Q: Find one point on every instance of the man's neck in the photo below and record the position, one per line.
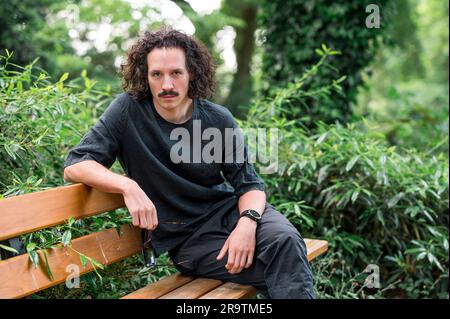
(177, 115)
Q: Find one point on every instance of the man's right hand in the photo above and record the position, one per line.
(141, 208)
(91, 173)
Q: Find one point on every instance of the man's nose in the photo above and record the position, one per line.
(167, 84)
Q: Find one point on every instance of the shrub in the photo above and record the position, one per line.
(292, 32)
(374, 204)
(40, 121)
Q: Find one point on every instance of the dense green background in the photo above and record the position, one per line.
(362, 117)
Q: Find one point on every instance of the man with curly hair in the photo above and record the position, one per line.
(211, 216)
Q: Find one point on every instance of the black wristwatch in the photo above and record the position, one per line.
(252, 214)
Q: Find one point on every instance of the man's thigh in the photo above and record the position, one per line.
(198, 256)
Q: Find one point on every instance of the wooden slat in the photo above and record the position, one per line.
(219, 289)
(160, 288)
(315, 247)
(231, 290)
(19, 278)
(193, 289)
(30, 212)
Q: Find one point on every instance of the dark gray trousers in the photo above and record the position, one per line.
(280, 267)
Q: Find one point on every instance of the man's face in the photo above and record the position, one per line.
(168, 77)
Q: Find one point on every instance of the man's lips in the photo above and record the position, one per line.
(168, 96)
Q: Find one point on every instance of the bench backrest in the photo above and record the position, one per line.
(31, 212)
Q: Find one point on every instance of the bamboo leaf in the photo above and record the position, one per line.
(34, 257)
(66, 238)
(47, 266)
(10, 249)
(351, 163)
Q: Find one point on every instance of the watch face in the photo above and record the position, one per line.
(255, 214)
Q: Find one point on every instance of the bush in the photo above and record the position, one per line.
(292, 32)
(376, 204)
(40, 121)
(415, 116)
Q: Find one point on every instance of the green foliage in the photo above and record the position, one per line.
(376, 204)
(40, 121)
(25, 31)
(298, 92)
(406, 91)
(415, 117)
(292, 32)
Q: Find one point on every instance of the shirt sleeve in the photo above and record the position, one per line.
(236, 167)
(103, 141)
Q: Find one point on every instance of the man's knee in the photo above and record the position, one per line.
(290, 238)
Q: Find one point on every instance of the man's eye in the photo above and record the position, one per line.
(155, 74)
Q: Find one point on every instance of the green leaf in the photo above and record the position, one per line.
(297, 210)
(34, 257)
(96, 264)
(394, 200)
(10, 152)
(383, 159)
(64, 77)
(321, 139)
(351, 163)
(355, 196)
(83, 260)
(31, 247)
(47, 266)
(9, 249)
(313, 163)
(414, 251)
(323, 173)
(71, 221)
(66, 238)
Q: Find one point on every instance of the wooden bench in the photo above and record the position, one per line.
(31, 212)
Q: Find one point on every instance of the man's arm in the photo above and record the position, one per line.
(254, 199)
(141, 208)
(242, 241)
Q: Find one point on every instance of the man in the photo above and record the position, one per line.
(210, 228)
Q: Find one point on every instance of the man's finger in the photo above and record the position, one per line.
(233, 261)
(143, 220)
(231, 258)
(155, 217)
(149, 218)
(243, 262)
(223, 250)
(135, 219)
(249, 259)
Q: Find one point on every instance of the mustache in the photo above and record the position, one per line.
(164, 93)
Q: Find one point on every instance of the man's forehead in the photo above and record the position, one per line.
(166, 58)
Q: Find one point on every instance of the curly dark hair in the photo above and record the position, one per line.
(199, 63)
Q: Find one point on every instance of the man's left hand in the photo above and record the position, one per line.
(240, 246)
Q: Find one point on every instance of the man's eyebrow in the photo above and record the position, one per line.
(157, 70)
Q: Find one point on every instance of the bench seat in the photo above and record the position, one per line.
(35, 211)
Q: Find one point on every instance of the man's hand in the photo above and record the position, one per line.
(240, 246)
(141, 208)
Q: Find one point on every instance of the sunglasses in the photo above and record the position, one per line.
(147, 248)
